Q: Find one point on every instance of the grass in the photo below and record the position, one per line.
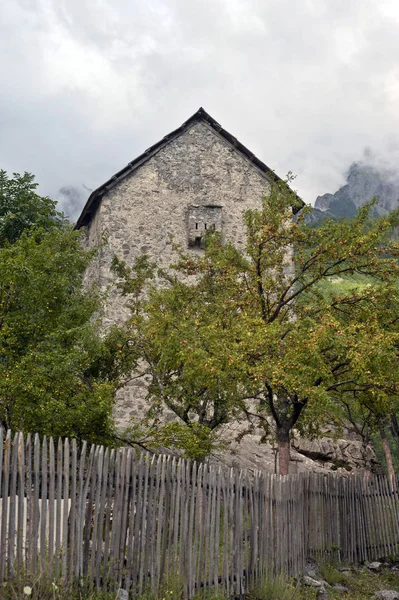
(275, 587)
(331, 574)
(361, 585)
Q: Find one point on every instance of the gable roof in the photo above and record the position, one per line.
(201, 115)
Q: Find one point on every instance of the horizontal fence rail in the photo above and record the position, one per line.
(113, 518)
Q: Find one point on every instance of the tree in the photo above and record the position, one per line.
(21, 208)
(368, 408)
(57, 373)
(165, 347)
(260, 321)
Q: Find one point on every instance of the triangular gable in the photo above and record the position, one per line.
(201, 115)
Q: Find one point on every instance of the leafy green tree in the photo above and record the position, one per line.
(57, 373)
(367, 409)
(165, 347)
(257, 333)
(21, 207)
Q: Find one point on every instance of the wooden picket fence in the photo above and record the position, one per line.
(118, 520)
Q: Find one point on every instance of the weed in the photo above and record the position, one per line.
(331, 574)
(275, 587)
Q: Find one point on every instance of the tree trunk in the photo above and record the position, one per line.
(388, 455)
(283, 439)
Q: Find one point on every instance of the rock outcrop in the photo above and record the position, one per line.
(362, 184)
(325, 455)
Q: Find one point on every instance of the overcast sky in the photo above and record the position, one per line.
(307, 85)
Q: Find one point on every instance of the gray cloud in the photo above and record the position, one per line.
(306, 85)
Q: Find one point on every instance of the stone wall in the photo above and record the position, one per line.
(195, 181)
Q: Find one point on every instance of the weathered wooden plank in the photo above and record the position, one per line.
(161, 522)
(173, 484)
(109, 513)
(362, 544)
(12, 507)
(197, 492)
(202, 512)
(253, 529)
(131, 514)
(156, 515)
(143, 529)
(191, 550)
(29, 502)
(343, 525)
(35, 498)
(394, 503)
(4, 511)
(225, 543)
(137, 523)
(98, 532)
(167, 517)
(73, 511)
(185, 474)
(291, 554)
(65, 511)
(51, 502)
(382, 521)
(239, 507)
(87, 501)
(369, 534)
(181, 473)
(43, 515)
(116, 524)
(218, 523)
(21, 497)
(96, 543)
(80, 504)
(176, 517)
(212, 525)
(232, 530)
(124, 514)
(58, 514)
(149, 520)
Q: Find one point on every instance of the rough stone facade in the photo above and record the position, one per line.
(196, 182)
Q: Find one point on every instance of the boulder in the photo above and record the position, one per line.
(310, 582)
(374, 566)
(386, 595)
(341, 589)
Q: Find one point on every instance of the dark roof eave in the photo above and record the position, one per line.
(201, 115)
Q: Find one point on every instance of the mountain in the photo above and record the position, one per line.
(70, 200)
(363, 182)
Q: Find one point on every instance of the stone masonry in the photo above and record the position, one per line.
(196, 181)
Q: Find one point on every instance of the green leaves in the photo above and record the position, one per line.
(21, 208)
(56, 374)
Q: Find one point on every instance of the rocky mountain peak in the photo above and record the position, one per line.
(363, 182)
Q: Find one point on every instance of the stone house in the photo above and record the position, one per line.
(195, 178)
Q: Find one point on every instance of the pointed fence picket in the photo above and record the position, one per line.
(116, 519)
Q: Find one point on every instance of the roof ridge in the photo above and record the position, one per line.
(94, 199)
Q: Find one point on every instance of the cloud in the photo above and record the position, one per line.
(87, 86)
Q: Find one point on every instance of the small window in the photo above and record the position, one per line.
(200, 220)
